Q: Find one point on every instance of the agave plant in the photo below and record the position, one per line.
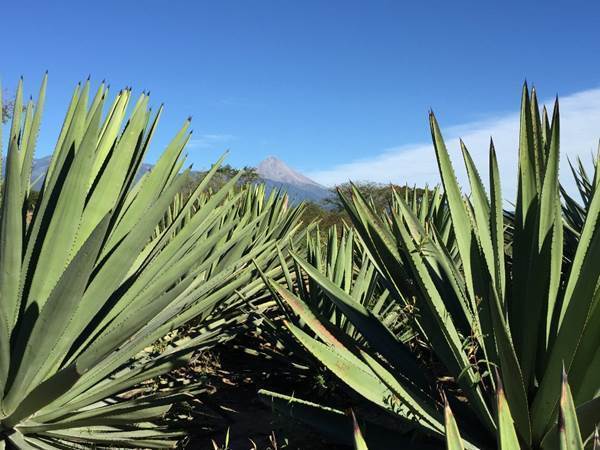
(272, 220)
(512, 302)
(344, 262)
(567, 429)
(575, 211)
(432, 211)
(342, 259)
(90, 281)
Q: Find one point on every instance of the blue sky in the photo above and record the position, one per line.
(320, 84)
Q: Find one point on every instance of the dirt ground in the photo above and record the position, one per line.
(232, 405)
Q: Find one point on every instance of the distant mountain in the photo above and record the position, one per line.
(40, 167)
(275, 169)
(272, 171)
(278, 175)
(38, 170)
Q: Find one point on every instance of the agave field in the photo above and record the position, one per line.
(448, 319)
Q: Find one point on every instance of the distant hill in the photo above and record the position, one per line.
(272, 171)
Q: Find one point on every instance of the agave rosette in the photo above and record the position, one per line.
(97, 274)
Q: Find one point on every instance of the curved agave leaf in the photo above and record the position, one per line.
(453, 439)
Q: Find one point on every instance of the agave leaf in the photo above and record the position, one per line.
(15, 128)
(56, 253)
(418, 402)
(383, 250)
(526, 284)
(113, 270)
(570, 437)
(527, 189)
(586, 365)
(109, 134)
(461, 223)
(475, 247)
(539, 151)
(11, 233)
(331, 421)
(367, 378)
(90, 385)
(348, 367)
(337, 425)
(103, 438)
(588, 417)
(453, 439)
(497, 224)
(556, 258)
(46, 331)
(57, 155)
(481, 209)
(544, 262)
(359, 441)
(120, 414)
(573, 321)
(436, 259)
(369, 326)
(1, 106)
(306, 315)
(440, 329)
(152, 186)
(511, 375)
(507, 436)
(29, 148)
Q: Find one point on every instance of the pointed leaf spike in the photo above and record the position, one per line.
(453, 439)
(359, 441)
(507, 436)
(570, 436)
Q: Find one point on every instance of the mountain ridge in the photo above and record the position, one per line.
(272, 171)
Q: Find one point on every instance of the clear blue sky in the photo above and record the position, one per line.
(316, 83)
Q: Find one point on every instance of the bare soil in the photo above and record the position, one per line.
(231, 404)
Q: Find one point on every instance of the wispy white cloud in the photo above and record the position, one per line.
(210, 140)
(416, 164)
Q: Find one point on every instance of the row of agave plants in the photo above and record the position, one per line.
(496, 305)
(451, 316)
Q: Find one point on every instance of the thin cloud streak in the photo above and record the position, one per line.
(416, 164)
(210, 140)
